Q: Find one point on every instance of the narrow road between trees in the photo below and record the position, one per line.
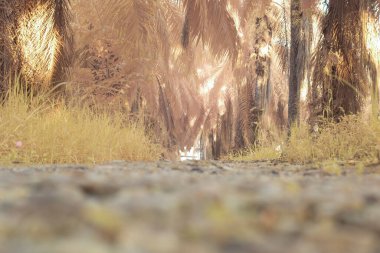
(190, 207)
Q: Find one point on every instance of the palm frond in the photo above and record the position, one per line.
(210, 22)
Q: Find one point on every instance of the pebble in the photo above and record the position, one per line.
(189, 207)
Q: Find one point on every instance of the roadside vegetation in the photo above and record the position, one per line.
(43, 130)
(353, 139)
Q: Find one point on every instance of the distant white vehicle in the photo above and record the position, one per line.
(195, 153)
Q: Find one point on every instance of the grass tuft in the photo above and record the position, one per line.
(258, 153)
(353, 138)
(268, 147)
(39, 130)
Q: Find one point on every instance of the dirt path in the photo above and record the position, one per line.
(203, 207)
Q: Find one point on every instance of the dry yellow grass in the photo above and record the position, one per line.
(36, 130)
(352, 139)
(255, 154)
(269, 147)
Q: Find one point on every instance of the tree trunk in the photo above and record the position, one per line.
(295, 65)
(343, 65)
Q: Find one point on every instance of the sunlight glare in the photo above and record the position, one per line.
(235, 16)
(205, 89)
(373, 39)
(264, 51)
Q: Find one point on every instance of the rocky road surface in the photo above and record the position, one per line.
(192, 207)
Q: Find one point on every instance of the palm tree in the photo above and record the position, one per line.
(343, 65)
(130, 57)
(213, 24)
(340, 89)
(229, 35)
(35, 40)
(296, 65)
(145, 56)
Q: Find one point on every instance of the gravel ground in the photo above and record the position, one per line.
(192, 207)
